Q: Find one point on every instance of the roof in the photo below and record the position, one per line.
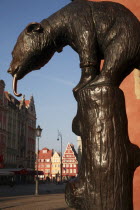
(45, 148)
(73, 149)
(27, 102)
(57, 153)
(12, 99)
(46, 155)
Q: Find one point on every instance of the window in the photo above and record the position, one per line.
(41, 166)
(47, 170)
(71, 171)
(44, 151)
(56, 160)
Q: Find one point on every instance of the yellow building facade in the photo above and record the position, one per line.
(55, 159)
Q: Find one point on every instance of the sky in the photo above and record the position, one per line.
(52, 85)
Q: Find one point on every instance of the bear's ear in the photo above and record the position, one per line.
(34, 27)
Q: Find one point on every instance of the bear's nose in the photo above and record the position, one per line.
(9, 70)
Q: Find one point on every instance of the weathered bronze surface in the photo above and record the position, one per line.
(96, 31)
(109, 159)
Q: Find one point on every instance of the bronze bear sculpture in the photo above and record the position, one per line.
(95, 30)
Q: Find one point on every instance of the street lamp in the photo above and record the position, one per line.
(60, 135)
(38, 135)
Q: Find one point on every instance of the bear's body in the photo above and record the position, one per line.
(96, 31)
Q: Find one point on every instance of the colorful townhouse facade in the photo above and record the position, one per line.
(55, 169)
(50, 163)
(70, 162)
(44, 162)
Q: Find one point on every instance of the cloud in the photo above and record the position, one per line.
(56, 79)
(62, 81)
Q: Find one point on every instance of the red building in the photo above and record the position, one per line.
(70, 162)
(44, 162)
(3, 123)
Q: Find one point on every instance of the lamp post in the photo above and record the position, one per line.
(38, 135)
(60, 135)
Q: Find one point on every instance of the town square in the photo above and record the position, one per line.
(70, 104)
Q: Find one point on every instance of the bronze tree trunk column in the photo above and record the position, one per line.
(109, 159)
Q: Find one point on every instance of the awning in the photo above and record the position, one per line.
(20, 171)
(6, 173)
(13, 171)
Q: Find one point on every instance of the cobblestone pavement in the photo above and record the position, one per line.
(29, 189)
(21, 197)
(29, 202)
